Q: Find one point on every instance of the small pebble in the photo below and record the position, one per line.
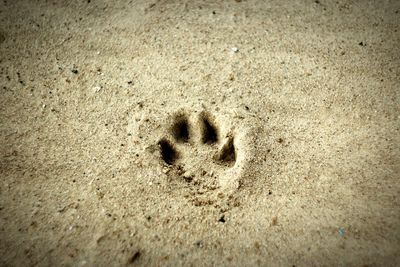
(342, 231)
(98, 88)
(199, 243)
(188, 176)
(235, 49)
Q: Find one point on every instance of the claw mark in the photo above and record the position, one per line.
(168, 153)
(180, 129)
(209, 131)
(227, 155)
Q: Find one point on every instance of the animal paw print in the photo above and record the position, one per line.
(181, 132)
(195, 149)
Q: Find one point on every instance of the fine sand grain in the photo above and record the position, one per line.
(199, 133)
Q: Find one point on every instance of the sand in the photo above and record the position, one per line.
(199, 133)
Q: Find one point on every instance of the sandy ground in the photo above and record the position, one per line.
(199, 133)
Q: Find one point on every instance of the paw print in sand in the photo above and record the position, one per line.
(182, 133)
(195, 150)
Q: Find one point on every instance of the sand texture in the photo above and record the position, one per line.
(199, 133)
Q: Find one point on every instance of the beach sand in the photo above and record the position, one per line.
(199, 133)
